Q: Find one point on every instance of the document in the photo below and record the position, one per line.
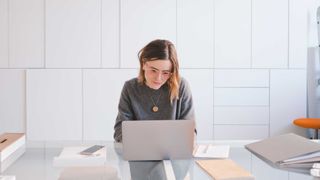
(286, 151)
(212, 151)
(224, 169)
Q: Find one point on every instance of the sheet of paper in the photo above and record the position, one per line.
(212, 151)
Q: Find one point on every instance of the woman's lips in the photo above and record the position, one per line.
(157, 83)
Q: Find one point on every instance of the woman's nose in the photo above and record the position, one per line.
(159, 76)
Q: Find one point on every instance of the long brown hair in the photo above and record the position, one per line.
(160, 49)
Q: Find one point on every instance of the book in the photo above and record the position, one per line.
(224, 169)
(212, 151)
(286, 151)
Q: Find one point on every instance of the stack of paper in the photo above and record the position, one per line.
(212, 151)
(70, 156)
(315, 170)
(287, 151)
(7, 178)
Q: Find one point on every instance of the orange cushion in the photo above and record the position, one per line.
(313, 123)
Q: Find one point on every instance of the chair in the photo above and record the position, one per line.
(312, 123)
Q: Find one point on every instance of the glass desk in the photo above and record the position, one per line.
(37, 164)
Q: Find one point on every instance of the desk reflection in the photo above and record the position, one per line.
(155, 170)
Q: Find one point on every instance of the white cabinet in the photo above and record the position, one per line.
(201, 85)
(110, 33)
(4, 34)
(239, 115)
(101, 95)
(240, 132)
(195, 30)
(54, 104)
(12, 100)
(232, 34)
(26, 33)
(73, 33)
(141, 22)
(270, 34)
(287, 100)
(241, 96)
(298, 33)
(241, 78)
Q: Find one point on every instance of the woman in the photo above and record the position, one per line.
(157, 93)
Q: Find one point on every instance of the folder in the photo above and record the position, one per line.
(224, 169)
(288, 151)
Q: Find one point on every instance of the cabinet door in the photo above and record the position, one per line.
(141, 22)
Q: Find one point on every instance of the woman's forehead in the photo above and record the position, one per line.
(163, 64)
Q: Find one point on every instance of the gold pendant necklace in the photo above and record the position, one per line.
(155, 108)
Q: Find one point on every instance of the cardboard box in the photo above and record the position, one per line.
(12, 146)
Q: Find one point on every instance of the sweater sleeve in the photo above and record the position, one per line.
(125, 112)
(186, 102)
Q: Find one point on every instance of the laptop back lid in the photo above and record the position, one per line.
(157, 139)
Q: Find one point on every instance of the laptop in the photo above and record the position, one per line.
(157, 139)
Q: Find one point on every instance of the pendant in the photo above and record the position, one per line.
(155, 108)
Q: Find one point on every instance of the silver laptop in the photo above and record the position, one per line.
(157, 139)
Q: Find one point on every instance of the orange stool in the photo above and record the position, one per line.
(313, 123)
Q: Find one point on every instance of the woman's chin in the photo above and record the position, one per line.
(155, 87)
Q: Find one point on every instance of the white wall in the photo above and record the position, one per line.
(63, 63)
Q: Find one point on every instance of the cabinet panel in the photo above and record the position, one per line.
(54, 104)
(241, 78)
(4, 34)
(298, 33)
(141, 22)
(287, 100)
(110, 34)
(270, 33)
(12, 101)
(232, 34)
(202, 98)
(101, 97)
(240, 132)
(195, 33)
(26, 33)
(241, 96)
(241, 115)
(73, 33)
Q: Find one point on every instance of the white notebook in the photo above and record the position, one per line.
(212, 151)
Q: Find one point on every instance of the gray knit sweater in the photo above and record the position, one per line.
(136, 104)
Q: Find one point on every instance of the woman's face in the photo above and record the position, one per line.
(157, 72)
